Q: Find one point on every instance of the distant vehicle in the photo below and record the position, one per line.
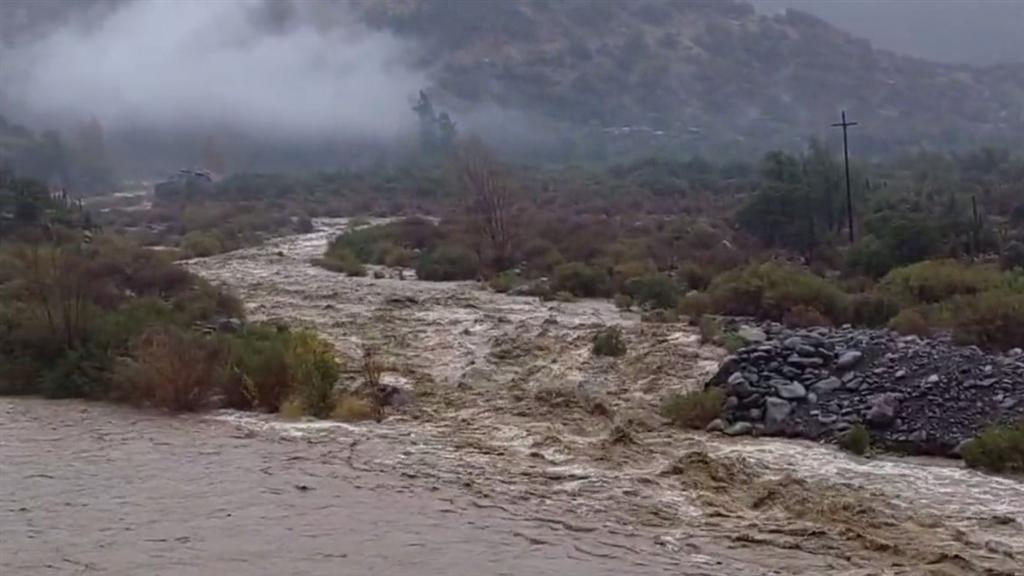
(186, 183)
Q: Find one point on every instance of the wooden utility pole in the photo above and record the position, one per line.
(846, 156)
(975, 227)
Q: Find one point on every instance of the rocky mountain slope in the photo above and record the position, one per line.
(702, 73)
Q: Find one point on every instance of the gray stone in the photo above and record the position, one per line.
(883, 410)
(849, 359)
(743, 389)
(826, 386)
(752, 401)
(775, 413)
(797, 360)
(933, 379)
(755, 414)
(1008, 403)
(739, 429)
(791, 391)
(900, 374)
(805, 350)
(827, 418)
(812, 398)
(918, 436)
(730, 403)
(751, 334)
(716, 425)
(958, 451)
(793, 342)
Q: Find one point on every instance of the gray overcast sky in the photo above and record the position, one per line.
(971, 31)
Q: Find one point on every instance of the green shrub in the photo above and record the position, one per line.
(694, 410)
(609, 342)
(993, 320)
(314, 372)
(580, 280)
(732, 342)
(342, 261)
(202, 244)
(770, 290)
(868, 257)
(997, 448)
(505, 281)
(857, 440)
(871, 309)
(448, 263)
(260, 369)
(910, 322)
(801, 316)
(934, 281)
(695, 305)
(76, 374)
(695, 276)
(391, 244)
(653, 291)
(710, 329)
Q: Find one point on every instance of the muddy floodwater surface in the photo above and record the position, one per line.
(518, 453)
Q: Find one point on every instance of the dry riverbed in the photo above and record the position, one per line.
(519, 453)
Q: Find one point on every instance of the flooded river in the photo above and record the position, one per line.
(519, 453)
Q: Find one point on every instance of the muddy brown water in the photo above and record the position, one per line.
(519, 453)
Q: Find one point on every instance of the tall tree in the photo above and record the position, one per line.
(489, 198)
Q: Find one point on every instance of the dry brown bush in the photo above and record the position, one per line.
(171, 368)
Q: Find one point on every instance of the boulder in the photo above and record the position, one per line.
(730, 403)
(743, 389)
(751, 334)
(791, 391)
(826, 386)
(883, 410)
(776, 410)
(716, 425)
(739, 429)
(849, 359)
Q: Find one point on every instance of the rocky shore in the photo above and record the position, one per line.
(913, 394)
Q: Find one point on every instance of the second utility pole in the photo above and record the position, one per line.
(846, 156)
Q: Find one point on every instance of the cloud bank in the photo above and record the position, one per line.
(271, 69)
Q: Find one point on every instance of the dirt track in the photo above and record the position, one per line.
(520, 453)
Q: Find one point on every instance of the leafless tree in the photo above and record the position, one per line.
(489, 197)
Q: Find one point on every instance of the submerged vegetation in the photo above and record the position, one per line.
(695, 409)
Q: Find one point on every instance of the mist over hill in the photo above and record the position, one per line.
(288, 83)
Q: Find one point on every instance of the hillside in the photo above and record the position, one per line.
(709, 74)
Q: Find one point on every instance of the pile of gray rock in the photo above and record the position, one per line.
(914, 395)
